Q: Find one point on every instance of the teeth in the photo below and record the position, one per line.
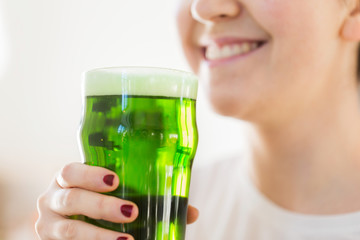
(254, 46)
(213, 52)
(226, 52)
(246, 47)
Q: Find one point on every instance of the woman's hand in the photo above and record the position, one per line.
(77, 190)
(192, 214)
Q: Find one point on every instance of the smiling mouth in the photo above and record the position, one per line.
(215, 52)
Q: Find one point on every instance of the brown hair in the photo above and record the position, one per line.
(358, 64)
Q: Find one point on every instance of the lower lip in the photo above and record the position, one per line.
(218, 62)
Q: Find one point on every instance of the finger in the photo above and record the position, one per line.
(66, 229)
(192, 214)
(74, 201)
(92, 178)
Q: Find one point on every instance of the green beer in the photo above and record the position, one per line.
(140, 123)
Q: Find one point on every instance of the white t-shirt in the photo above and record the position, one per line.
(232, 208)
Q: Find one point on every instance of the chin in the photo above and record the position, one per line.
(234, 107)
(227, 106)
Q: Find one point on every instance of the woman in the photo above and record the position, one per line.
(288, 68)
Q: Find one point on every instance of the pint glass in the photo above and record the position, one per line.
(140, 123)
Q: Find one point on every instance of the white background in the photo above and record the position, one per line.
(45, 45)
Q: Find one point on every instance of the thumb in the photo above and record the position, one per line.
(192, 214)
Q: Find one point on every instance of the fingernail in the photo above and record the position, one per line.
(122, 238)
(126, 210)
(109, 179)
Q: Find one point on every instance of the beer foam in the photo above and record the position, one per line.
(140, 81)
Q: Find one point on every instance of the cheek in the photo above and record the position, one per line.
(300, 20)
(302, 36)
(186, 28)
(282, 17)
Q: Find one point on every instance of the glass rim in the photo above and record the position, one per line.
(152, 68)
(140, 80)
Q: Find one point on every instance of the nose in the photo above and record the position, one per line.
(206, 11)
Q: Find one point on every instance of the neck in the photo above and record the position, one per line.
(311, 163)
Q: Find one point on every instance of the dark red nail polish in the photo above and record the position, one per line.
(109, 180)
(126, 210)
(122, 238)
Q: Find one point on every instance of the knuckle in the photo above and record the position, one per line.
(67, 229)
(107, 208)
(39, 228)
(41, 201)
(101, 206)
(66, 172)
(100, 203)
(67, 198)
